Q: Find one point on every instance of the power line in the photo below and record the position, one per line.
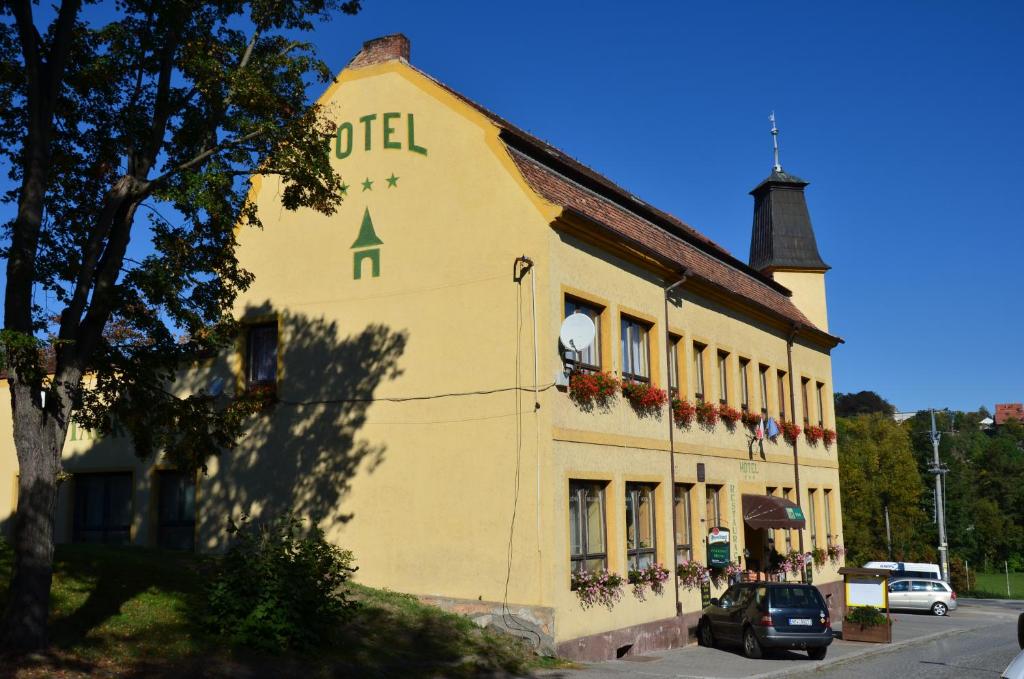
(405, 399)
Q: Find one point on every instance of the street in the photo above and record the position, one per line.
(977, 640)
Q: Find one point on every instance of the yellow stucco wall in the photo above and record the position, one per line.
(808, 293)
(423, 491)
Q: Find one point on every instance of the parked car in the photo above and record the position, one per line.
(908, 569)
(760, 615)
(1015, 670)
(922, 595)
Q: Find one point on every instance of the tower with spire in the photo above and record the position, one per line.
(782, 243)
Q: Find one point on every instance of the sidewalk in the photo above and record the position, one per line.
(695, 662)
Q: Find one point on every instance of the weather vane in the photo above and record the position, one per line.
(775, 141)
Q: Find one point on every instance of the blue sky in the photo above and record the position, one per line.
(906, 117)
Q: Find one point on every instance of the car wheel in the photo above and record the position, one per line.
(751, 646)
(939, 608)
(817, 653)
(1020, 630)
(705, 636)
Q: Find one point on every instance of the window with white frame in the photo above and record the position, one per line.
(588, 548)
(698, 370)
(588, 359)
(641, 549)
(684, 527)
(636, 364)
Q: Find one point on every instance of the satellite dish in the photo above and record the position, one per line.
(577, 332)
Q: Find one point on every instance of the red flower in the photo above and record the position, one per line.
(645, 399)
(707, 414)
(592, 389)
(790, 431)
(814, 434)
(829, 436)
(683, 412)
(729, 415)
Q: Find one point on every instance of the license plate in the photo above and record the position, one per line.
(800, 621)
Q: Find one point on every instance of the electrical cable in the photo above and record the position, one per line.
(405, 399)
(509, 618)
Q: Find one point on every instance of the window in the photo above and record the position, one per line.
(723, 377)
(788, 494)
(698, 370)
(821, 404)
(918, 586)
(673, 366)
(588, 550)
(900, 586)
(261, 355)
(805, 386)
(589, 358)
(763, 370)
(641, 550)
(812, 522)
(828, 517)
(102, 508)
(745, 384)
(713, 506)
(635, 354)
(684, 529)
(782, 394)
(176, 510)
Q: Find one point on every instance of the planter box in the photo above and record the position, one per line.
(877, 634)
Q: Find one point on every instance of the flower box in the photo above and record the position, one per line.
(829, 437)
(729, 415)
(876, 634)
(790, 431)
(589, 390)
(707, 414)
(750, 420)
(647, 400)
(683, 413)
(813, 434)
(599, 587)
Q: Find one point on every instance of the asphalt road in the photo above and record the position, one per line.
(977, 640)
(982, 653)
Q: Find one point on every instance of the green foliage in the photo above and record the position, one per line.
(862, 403)
(280, 587)
(868, 616)
(877, 467)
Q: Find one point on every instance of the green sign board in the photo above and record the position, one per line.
(705, 594)
(795, 513)
(718, 548)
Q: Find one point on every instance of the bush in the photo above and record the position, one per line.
(279, 587)
(868, 616)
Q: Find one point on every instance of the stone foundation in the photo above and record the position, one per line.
(636, 640)
(535, 624)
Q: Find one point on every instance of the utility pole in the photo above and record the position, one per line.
(888, 530)
(940, 513)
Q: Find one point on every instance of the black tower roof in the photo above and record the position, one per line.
(782, 235)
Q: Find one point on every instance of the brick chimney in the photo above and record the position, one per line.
(379, 50)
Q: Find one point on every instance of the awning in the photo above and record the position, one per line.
(768, 511)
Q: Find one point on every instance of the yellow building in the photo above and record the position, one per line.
(418, 411)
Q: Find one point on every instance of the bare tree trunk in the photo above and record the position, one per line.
(38, 438)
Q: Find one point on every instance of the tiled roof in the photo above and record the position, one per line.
(561, 190)
(565, 181)
(1009, 411)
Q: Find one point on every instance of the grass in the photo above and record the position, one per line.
(993, 586)
(137, 612)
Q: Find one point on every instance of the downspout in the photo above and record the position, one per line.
(794, 329)
(672, 440)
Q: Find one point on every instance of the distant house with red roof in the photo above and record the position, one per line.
(1009, 411)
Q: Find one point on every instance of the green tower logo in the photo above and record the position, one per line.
(366, 246)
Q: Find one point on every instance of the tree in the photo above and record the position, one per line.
(862, 403)
(877, 468)
(162, 113)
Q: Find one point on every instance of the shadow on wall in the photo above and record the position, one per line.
(302, 452)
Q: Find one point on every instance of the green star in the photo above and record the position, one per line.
(392, 181)
(368, 184)
(344, 189)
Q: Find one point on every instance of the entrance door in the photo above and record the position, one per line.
(754, 544)
(176, 510)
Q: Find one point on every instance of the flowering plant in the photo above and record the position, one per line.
(719, 576)
(707, 414)
(835, 553)
(794, 562)
(750, 420)
(647, 400)
(790, 431)
(598, 587)
(729, 415)
(819, 555)
(260, 395)
(654, 576)
(592, 389)
(691, 574)
(813, 434)
(829, 436)
(683, 412)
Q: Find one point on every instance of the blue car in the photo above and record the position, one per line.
(761, 615)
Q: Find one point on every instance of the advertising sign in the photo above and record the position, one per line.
(718, 547)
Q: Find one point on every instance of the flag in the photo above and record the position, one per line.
(759, 432)
(773, 429)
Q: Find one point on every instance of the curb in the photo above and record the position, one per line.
(867, 653)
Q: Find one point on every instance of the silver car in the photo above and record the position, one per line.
(922, 595)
